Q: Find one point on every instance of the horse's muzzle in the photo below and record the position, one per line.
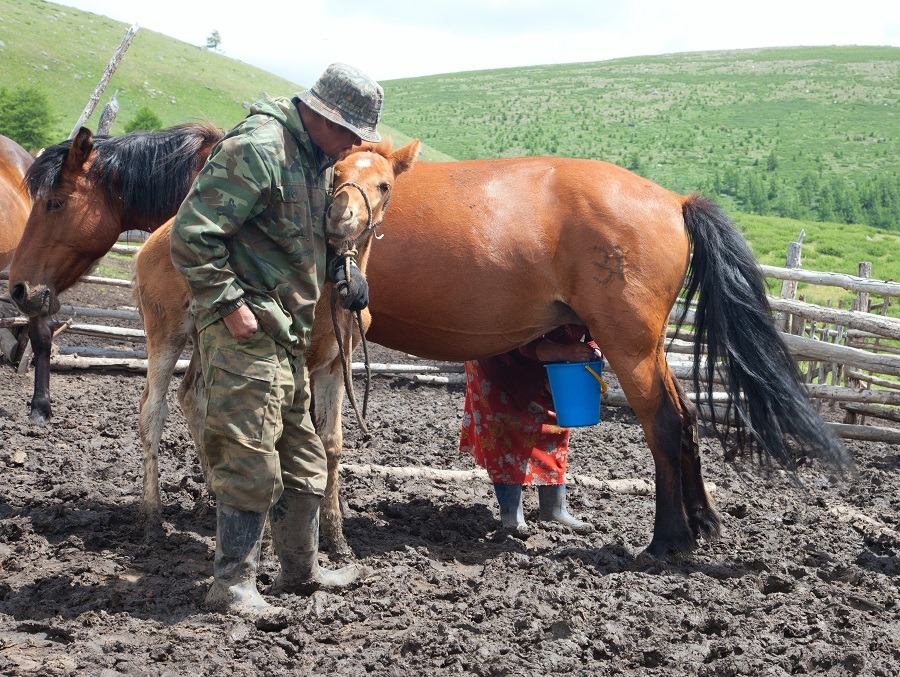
(34, 301)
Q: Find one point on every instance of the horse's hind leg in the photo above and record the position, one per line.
(652, 392)
(192, 397)
(163, 353)
(701, 514)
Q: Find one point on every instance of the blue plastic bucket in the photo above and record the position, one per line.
(576, 387)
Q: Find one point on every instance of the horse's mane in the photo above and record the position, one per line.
(151, 171)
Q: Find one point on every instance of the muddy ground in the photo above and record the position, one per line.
(804, 580)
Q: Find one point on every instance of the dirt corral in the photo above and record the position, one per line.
(804, 580)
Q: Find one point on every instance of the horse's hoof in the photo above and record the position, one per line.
(339, 551)
(650, 555)
(706, 524)
(664, 549)
(38, 418)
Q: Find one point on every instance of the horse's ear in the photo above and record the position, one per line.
(403, 158)
(80, 151)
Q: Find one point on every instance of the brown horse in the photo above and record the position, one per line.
(14, 201)
(87, 192)
(480, 257)
(362, 188)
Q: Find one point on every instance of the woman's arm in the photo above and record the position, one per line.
(547, 351)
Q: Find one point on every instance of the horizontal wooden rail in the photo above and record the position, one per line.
(830, 352)
(108, 281)
(886, 413)
(850, 282)
(125, 249)
(879, 325)
(83, 311)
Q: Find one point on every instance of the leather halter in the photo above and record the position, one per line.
(351, 243)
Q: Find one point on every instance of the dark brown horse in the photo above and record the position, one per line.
(86, 193)
(480, 257)
(14, 201)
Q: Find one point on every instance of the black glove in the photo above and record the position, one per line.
(353, 290)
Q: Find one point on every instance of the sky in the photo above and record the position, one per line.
(390, 39)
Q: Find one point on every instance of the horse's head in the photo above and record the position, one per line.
(53, 252)
(363, 180)
(87, 191)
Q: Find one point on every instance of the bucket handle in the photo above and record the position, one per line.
(599, 380)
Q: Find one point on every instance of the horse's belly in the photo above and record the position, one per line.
(456, 321)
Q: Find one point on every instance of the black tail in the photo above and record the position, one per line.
(768, 401)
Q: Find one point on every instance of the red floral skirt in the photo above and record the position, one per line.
(514, 446)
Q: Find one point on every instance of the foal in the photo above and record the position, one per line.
(362, 188)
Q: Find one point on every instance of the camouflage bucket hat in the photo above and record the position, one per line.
(348, 97)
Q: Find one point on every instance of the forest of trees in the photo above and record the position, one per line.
(873, 199)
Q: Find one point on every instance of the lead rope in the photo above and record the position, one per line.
(346, 366)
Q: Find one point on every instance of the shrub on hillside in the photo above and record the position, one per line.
(144, 119)
(25, 117)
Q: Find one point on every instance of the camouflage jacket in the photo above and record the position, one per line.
(253, 225)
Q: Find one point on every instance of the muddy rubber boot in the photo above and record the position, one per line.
(552, 505)
(295, 535)
(509, 498)
(238, 540)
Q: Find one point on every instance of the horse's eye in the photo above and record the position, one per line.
(54, 205)
(384, 187)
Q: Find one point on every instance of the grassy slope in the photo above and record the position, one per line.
(64, 52)
(827, 247)
(832, 109)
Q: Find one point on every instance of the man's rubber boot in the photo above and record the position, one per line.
(295, 535)
(509, 498)
(238, 540)
(552, 506)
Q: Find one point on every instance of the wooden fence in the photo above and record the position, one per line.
(849, 357)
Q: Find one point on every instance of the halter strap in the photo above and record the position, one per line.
(370, 226)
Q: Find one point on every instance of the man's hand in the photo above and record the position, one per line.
(241, 323)
(352, 287)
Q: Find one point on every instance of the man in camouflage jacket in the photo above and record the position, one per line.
(250, 240)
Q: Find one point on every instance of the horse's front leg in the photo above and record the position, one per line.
(328, 391)
(41, 336)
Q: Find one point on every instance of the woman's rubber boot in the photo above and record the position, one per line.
(552, 505)
(295, 535)
(238, 540)
(509, 498)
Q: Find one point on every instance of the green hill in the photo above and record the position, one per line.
(63, 52)
(806, 132)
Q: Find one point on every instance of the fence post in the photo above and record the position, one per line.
(861, 304)
(104, 80)
(789, 287)
(108, 116)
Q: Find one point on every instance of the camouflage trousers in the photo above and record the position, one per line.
(258, 434)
